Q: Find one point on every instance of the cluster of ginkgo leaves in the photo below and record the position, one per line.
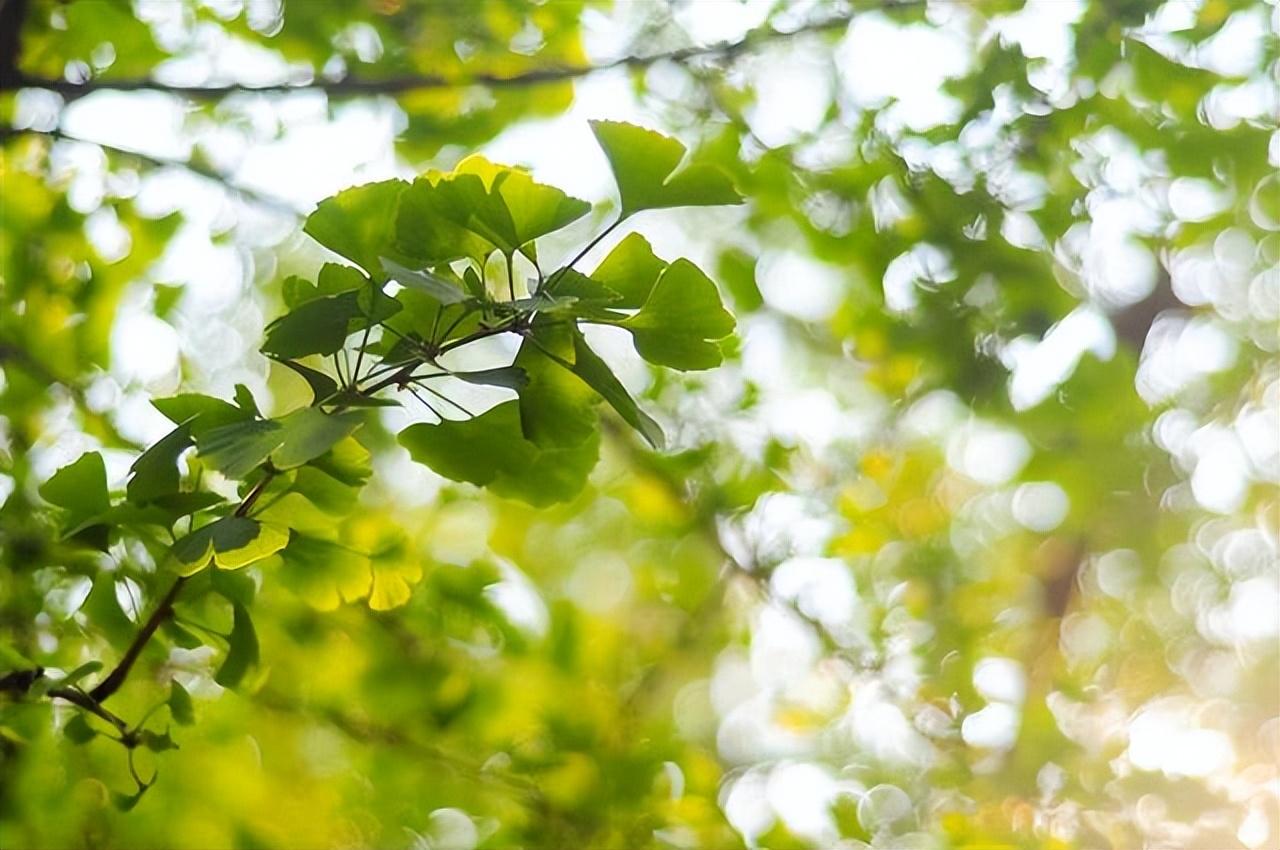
(436, 265)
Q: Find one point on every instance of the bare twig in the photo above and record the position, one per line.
(116, 677)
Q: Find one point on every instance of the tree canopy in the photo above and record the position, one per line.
(502, 423)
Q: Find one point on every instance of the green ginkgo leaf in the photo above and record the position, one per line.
(236, 450)
(436, 224)
(200, 413)
(588, 366)
(80, 488)
(644, 167)
(322, 386)
(359, 223)
(230, 543)
(491, 451)
(78, 730)
(556, 407)
(324, 573)
(155, 472)
(242, 650)
(310, 432)
(630, 270)
(435, 286)
(681, 321)
(322, 325)
(525, 209)
(180, 707)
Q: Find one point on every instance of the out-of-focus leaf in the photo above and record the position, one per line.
(80, 488)
(242, 651)
(325, 573)
(86, 669)
(78, 730)
(180, 707)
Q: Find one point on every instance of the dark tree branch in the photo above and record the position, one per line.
(401, 84)
(12, 15)
(164, 610)
(86, 701)
(116, 677)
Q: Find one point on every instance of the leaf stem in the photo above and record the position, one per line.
(556, 275)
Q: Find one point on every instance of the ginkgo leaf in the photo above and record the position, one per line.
(244, 550)
(556, 407)
(325, 573)
(155, 472)
(237, 449)
(302, 515)
(78, 730)
(643, 163)
(490, 451)
(359, 223)
(584, 290)
(322, 386)
(180, 707)
(682, 319)
(309, 433)
(322, 325)
(242, 650)
(588, 366)
(434, 223)
(318, 326)
(532, 209)
(231, 543)
(630, 270)
(392, 582)
(348, 462)
(509, 377)
(200, 413)
(80, 488)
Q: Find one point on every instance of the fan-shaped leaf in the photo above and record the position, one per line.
(643, 163)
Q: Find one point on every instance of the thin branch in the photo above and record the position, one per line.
(404, 83)
(116, 677)
(12, 15)
(79, 698)
(204, 172)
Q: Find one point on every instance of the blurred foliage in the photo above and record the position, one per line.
(968, 541)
